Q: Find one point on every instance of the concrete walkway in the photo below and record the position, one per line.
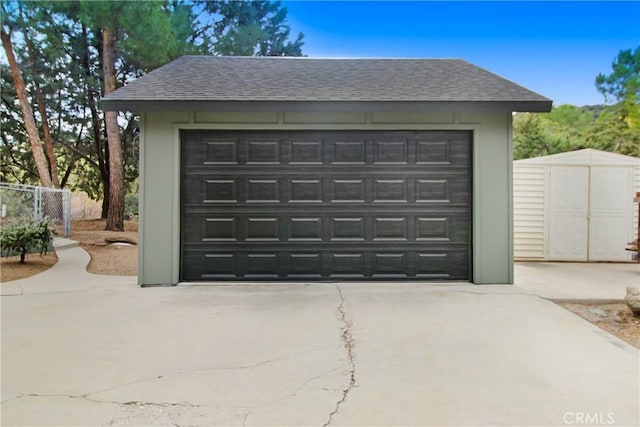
(565, 281)
(81, 349)
(67, 275)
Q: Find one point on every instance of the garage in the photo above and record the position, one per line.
(267, 169)
(314, 205)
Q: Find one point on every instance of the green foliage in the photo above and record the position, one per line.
(22, 235)
(248, 28)
(148, 33)
(535, 136)
(624, 82)
(611, 132)
(131, 205)
(614, 128)
(571, 117)
(17, 203)
(568, 128)
(67, 44)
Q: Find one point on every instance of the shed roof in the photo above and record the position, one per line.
(587, 156)
(197, 82)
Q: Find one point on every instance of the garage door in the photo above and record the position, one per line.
(274, 205)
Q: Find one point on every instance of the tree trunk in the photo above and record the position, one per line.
(104, 209)
(115, 217)
(27, 113)
(99, 147)
(48, 141)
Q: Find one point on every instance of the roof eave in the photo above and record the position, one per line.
(530, 106)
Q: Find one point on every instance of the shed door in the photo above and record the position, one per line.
(325, 205)
(568, 213)
(610, 218)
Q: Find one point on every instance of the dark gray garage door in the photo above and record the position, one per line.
(325, 205)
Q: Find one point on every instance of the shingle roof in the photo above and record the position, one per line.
(210, 78)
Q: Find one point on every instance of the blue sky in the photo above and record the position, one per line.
(553, 48)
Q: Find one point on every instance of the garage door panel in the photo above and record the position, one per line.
(305, 152)
(385, 263)
(390, 190)
(442, 228)
(442, 190)
(391, 229)
(262, 229)
(304, 190)
(347, 152)
(212, 151)
(391, 152)
(335, 264)
(262, 190)
(338, 189)
(443, 265)
(342, 226)
(347, 190)
(307, 264)
(443, 149)
(262, 152)
(217, 152)
(307, 229)
(320, 205)
(223, 229)
(329, 148)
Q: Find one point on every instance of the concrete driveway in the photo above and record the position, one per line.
(90, 353)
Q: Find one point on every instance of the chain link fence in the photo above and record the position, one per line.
(19, 200)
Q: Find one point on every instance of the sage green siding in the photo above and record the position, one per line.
(159, 260)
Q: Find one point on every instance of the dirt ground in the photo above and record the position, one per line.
(108, 258)
(614, 318)
(11, 269)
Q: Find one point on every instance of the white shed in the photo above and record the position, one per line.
(575, 206)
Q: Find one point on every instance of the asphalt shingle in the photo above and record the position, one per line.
(211, 78)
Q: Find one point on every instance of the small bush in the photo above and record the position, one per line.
(23, 234)
(131, 205)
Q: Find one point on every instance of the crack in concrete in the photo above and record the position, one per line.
(348, 344)
(70, 291)
(245, 417)
(491, 293)
(87, 398)
(192, 371)
(300, 387)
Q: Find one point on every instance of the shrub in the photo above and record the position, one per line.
(24, 234)
(131, 205)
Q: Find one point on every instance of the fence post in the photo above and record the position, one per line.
(37, 203)
(67, 213)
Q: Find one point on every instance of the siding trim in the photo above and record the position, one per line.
(141, 198)
(510, 194)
